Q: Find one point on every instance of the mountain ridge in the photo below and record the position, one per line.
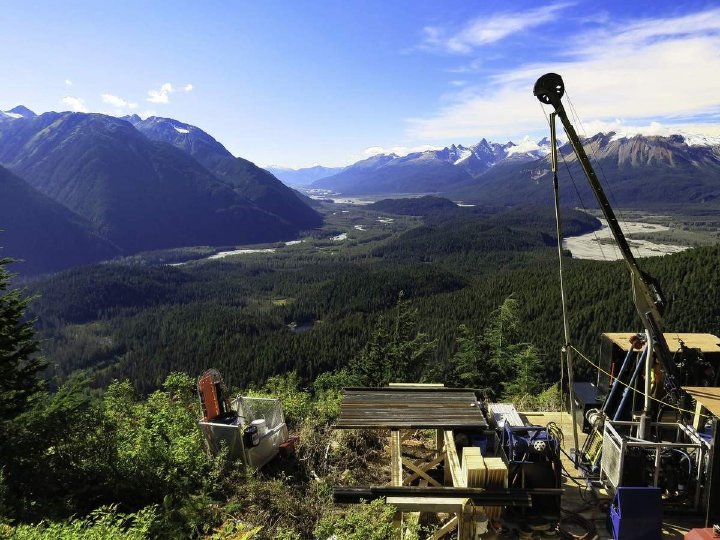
(140, 194)
(249, 180)
(45, 235)
(510, 173)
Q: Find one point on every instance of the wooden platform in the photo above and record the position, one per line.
(707, 343)
(402, 407)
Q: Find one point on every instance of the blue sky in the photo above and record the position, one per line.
(301, 82)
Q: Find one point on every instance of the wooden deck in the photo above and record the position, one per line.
(406, 407)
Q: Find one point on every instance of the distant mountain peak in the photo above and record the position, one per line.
(23, 111)
(19, 111)
(132, 118)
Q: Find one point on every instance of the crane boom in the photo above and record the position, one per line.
(647, 296)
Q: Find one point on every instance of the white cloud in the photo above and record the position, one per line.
(646, 70)
(188, 88)
(488, 29)
(75, 104)
(118, 102)
(68, 82)
(162, 95)
(622, 129)
(398, 150)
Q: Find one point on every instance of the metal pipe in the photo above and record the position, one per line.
(645, 416)
(566, 324)
(631, 385)
(612, 396)
(656, 473)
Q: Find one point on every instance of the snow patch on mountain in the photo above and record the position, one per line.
(529, 147)
(700, 140)
(463, 154)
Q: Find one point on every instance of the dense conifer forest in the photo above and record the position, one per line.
(311, 310)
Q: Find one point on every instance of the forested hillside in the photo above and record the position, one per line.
(312, 308)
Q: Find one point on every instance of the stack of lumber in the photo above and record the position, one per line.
(473, 466)
(497, 477)
(483, 472)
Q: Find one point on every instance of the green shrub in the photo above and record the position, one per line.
(549, 399)
(105, 523)
(296, 402)
(366, 521)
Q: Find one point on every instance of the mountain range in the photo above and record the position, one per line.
(78, 187)
(142, 184)
(428, 171)
(636, 169)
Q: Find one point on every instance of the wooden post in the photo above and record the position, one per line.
(395, 459)
(466, 526)
(396, 477)
(697, 418)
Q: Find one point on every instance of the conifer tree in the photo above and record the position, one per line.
(19, 367)
(468, 360)
(396, 354)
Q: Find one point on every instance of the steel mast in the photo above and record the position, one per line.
(647, 296)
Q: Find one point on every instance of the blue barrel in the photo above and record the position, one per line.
(636, 513)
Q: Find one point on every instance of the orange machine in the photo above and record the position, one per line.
(213, 395)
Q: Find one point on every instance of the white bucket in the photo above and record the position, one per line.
(261, 426)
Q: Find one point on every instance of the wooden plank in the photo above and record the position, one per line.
(709, 396)
(445, 505)
(415, 385)
(409, 408)
(425, 467)
(418, 471)
(395, 459)
(451, 460)
(707, 343)
(391, 390)
(449, 527)
(497, 477)
(474, 470)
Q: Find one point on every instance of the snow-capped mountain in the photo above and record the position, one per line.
(258, 185)
(430, 170)
(17, 112)
(686, 166)
(636, 169)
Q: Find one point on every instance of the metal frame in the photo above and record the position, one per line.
(616, 447)
(217, 433)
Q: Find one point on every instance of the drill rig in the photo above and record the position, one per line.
(630, 444)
